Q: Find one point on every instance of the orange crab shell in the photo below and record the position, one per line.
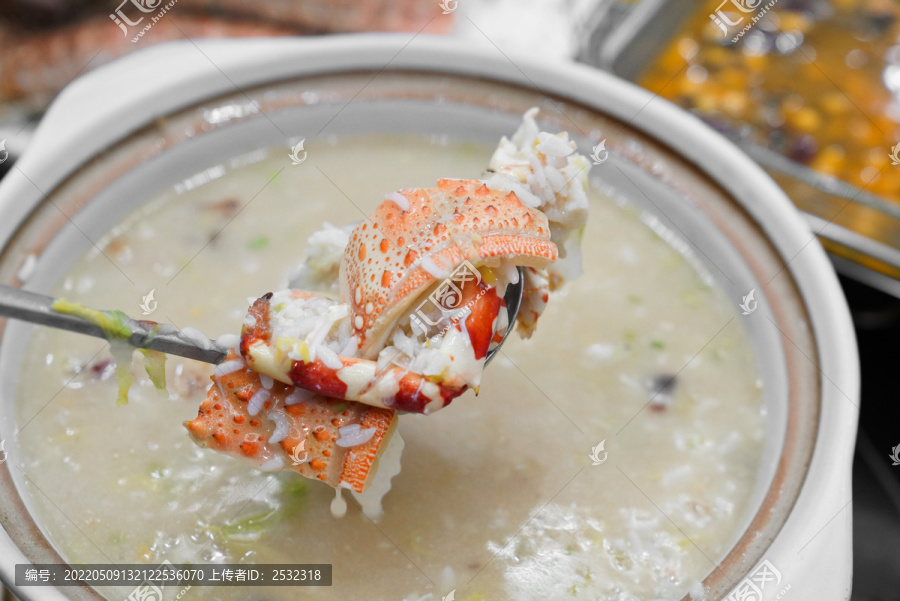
(382, 273)
(224, 424)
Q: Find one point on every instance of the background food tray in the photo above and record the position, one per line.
(861, 230)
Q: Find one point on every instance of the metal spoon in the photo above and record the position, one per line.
(513, 300)
(36, 308)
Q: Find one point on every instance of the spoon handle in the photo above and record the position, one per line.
(36, 308)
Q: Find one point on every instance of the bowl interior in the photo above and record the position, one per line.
(679, 201)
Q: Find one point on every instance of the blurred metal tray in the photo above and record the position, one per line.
(860, 230)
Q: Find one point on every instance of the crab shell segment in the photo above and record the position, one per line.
(394, 387)
(310, 439)
(420, 236)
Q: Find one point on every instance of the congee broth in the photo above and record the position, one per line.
(499, 496)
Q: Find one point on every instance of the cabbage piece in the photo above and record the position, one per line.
(113, 323)
(252, 527)
(116, 329)
(155, 366)
(122, 354)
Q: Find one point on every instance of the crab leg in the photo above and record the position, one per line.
(358, 379)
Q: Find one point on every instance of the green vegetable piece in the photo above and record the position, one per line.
(155, 366)
(113, 323)
(116, 329)
(295, 490)
(251, 528)
(121, 352)
(259, 243)
(152, 334)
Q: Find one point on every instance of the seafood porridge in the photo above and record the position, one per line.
(505, 495)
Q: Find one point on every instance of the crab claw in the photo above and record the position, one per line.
(419, 238)
(427, 271)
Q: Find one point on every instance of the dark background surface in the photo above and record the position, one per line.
(876, 483)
